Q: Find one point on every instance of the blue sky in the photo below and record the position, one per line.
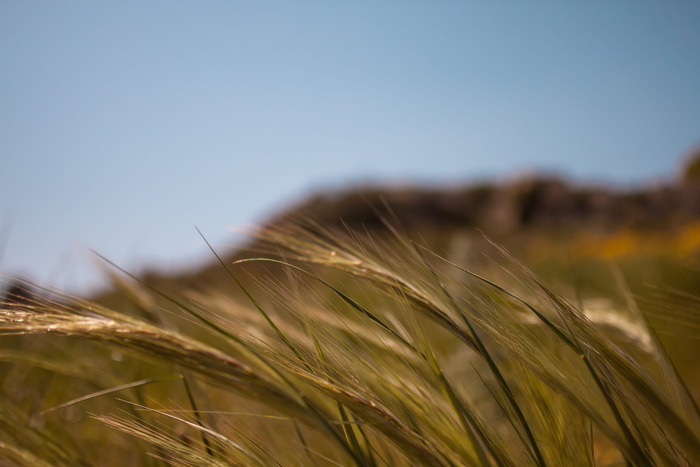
(124, 124)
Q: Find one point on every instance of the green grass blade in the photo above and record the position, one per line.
(104, 392)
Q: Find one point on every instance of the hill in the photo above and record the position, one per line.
(538, 218)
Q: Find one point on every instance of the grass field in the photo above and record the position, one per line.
(335, 348)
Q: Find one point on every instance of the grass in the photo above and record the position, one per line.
(336, 349)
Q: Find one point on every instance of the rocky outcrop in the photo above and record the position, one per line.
(534, 203)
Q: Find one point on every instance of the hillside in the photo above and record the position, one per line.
(538, 218)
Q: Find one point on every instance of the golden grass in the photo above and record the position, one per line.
(352, 352)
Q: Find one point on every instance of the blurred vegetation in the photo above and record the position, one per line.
(691, 166)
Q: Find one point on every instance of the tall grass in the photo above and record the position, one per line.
(341, 350)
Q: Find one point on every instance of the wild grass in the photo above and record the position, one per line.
(349, 351)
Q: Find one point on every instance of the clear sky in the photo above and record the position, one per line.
(125, 123)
